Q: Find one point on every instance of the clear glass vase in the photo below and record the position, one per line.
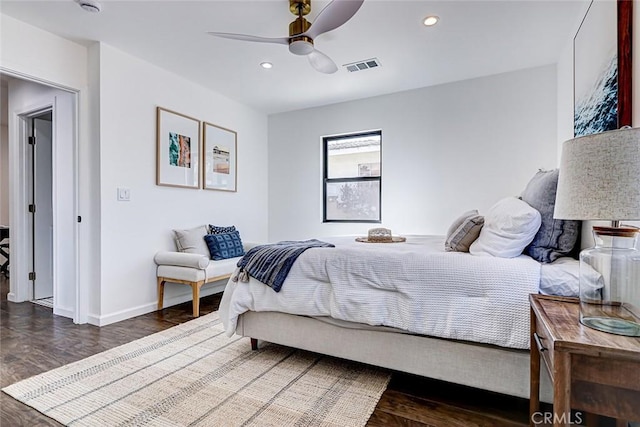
(610, 282)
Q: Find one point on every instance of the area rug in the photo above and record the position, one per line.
(194, 375)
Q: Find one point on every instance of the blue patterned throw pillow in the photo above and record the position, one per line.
(224, 245)
(218, 229)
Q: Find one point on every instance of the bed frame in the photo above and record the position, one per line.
(487, 367)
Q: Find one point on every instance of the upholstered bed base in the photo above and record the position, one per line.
(476, 365)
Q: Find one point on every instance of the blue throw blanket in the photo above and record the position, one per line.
(270, 264)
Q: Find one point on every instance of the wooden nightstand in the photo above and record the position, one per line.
(591, 371)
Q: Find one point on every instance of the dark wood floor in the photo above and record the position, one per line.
(33, 340)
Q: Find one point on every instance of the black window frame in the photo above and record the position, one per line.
(326, 180)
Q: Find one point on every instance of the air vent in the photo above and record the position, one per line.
(362, 65)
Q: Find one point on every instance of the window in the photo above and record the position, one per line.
(352, 177)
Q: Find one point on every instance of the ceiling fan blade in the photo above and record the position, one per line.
(322, 62)
(245, 37)
(334, 15)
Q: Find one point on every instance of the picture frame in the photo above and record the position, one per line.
(602, 68)
(177, 149)
(219, 158)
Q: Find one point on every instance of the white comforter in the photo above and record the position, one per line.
(414, 286)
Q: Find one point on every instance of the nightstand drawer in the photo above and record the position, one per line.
(545, 345)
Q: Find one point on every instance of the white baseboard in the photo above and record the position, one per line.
(58, 311)
(108, 319)
(64, 312)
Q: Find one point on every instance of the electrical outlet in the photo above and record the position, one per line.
(124, 194)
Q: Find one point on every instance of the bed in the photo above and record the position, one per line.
(410, 306)
(452, 308)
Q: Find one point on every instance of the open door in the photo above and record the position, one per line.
(41, 205)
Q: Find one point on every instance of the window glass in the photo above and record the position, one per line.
(352, 177)
(353, 157)
(353, 200)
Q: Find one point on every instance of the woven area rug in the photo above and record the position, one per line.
(194, 375)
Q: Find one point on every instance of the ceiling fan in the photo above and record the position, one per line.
(302, 32)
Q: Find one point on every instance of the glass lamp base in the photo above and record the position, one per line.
(610, 282)
(612, 325)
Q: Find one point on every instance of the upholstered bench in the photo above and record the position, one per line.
(192, 265)
(190, 269)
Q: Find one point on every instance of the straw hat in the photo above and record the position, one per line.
(380, 235)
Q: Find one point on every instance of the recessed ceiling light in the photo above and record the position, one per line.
(90, 5)
(430, 20)
(266, 65)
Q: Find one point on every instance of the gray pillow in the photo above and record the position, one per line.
(192, 240)
(463, 232)
(556, 237)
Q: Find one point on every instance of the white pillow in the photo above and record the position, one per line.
(509, 226)
(192, 240)
(560, 277)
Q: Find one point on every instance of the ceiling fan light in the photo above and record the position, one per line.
(321, 62)
(301, 47)
(430, 20)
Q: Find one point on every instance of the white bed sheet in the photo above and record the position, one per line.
(560, 277)
(414, 286)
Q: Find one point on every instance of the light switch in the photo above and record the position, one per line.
(124, 194)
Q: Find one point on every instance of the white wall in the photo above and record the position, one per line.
(118, 95)
(132, 232)
(27, 51)
(445, 149)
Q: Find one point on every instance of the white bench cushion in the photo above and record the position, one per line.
(195, 274)
(181, 259)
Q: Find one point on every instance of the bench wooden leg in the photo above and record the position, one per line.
(195, 287)
(160, 292)
(254, 344)
(195, 290)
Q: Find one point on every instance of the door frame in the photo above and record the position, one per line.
(20, 287)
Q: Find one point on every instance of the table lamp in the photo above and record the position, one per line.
(600, 180)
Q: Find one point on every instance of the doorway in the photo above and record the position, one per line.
(43, 195)
(40, 176)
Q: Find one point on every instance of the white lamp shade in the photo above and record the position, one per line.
(600, 177)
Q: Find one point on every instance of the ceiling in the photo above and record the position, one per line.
(473, 38)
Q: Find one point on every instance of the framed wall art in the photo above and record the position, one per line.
(178, 149)
(602, 68)
(220, 158)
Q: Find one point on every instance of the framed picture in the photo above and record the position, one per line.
(178, 149)
(602, 68)
(219, 158)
